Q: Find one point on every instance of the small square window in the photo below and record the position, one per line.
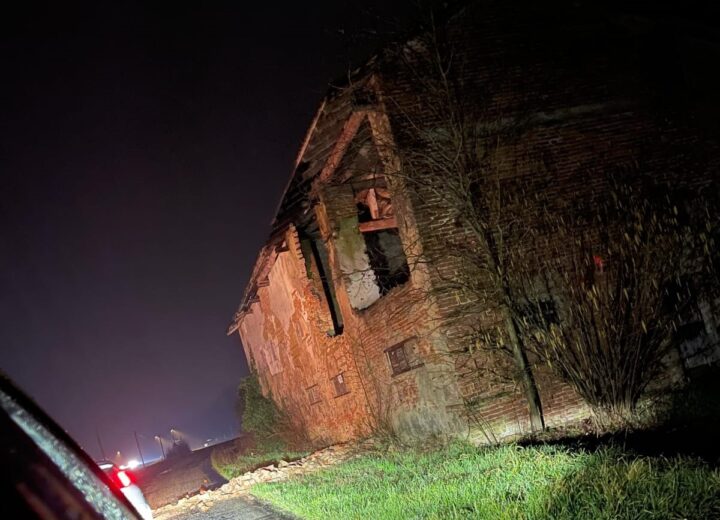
(540, 314)
(314, 394)
(402, 357)
(398, 359)
(340, 385)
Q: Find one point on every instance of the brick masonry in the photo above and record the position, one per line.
(586, 111)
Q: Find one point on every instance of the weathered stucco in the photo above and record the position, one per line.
(354, 264)
(285, 334)
(430, 413)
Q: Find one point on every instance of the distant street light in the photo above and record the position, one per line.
(102, 450)
(162, 448)
(137, 442)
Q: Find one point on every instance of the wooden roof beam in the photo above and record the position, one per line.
(377, 225)
(349, 131)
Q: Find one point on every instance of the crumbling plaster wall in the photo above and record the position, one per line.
(415, 404)
(285, 337)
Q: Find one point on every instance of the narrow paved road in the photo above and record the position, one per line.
(167, 481)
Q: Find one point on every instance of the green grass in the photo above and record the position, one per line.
(508, 482)
(234, 460)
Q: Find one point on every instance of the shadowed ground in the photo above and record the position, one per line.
(245, 508)
(167, 481)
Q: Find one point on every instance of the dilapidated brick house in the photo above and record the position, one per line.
(339, 319)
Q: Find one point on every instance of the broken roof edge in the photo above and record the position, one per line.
(277, 229)
(268, 253)
(364, 74)
(298, 157)
(359, 74)
(363, 78)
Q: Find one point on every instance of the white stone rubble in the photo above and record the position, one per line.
(241, 485)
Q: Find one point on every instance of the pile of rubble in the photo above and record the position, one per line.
(241, 485)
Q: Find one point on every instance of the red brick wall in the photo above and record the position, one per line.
(579, 120)
(292, 319)
(587, 114)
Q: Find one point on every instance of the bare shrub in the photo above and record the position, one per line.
(602, 311)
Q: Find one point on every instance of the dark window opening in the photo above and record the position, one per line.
(696, 329)
(676, 295)
(376, 221)
(340, 385)
(364, 97)
(398, 359)
(314, 394)
(402, 357)
(540, 314)
(364, 214)
(387, 259)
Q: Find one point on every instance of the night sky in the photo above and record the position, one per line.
(142, 155)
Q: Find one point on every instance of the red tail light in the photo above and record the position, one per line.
(123, 478)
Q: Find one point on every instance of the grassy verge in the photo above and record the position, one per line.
(508, 482)
(237, 458)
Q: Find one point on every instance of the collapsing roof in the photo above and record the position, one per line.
(337, 121)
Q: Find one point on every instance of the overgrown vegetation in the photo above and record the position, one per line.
(604, 310)
(462, 162)
(594, 281)
(462, 481)
(258, 415)
(232, 460)
(270, 435)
